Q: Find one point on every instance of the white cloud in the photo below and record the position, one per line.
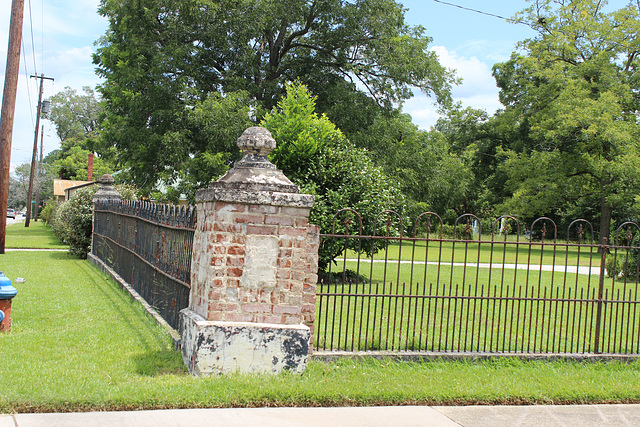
(477, 90)
(73, 67)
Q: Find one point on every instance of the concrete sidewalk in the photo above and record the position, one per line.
(437, 416)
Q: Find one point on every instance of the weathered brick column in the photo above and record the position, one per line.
(253, 270)
(105, 192)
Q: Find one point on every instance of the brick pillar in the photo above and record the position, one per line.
(105, 193)
(253, 271)
(106, 190)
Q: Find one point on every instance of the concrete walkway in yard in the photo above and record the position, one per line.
(437, 416)
(593, 271)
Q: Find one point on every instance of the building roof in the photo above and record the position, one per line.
(60, 185)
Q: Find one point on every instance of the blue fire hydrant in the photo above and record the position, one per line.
(7, 292)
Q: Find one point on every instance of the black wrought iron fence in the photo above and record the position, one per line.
(150, 247)
(518, 291)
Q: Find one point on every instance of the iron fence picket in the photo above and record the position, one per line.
(150, 247)
(547, 305)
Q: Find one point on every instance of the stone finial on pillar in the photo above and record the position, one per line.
(106, 190)
(253, 270)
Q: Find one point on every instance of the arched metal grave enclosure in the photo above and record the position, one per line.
(494, 287)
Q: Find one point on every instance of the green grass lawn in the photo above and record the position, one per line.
(37, 235)
(79, 343)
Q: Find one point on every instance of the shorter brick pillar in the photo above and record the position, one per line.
(105, 193)
(106, 190)
(253, 270)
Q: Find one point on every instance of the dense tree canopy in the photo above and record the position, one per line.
(573, 94)
(75, 115)
(163, 59)
(77, 119)
(183, 78)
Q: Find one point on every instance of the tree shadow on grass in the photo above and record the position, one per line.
(62, 255)
(160, 362)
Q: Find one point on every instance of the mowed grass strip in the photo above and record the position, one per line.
(79, 343)
(37, 236)
(498, 251)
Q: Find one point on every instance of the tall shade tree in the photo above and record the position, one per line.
(162, 58)
(75, 114)
(77, 119)
(574, 91)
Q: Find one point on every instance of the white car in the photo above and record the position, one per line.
(11, 213)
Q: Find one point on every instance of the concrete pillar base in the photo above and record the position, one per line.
(215, 347)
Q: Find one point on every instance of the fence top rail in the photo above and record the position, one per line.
(169, 215)
(389, 225)
(523, 242)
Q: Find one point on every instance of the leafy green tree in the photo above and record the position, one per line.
(212, 129)
(573, 91)
(161, 59)
(428, 171)
(19, 185)
(72, 161)
(76, 118)
(316, 156)
(75, 115)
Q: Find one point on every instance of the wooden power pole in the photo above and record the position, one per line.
(8, 108)
(39, 175)
(35, 148)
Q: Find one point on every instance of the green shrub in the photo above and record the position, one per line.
(72, 221)
(612, 265)
(58, 225)
(622, 264)
(317, 156)
(47, 213)
(127, 191)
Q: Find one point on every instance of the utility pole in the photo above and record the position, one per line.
(35, 147)
(39, 173)
(8, 108)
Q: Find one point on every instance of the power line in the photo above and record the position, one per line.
(33, 46)
(26, 73)
(493, 15)
(42, 34)
(533, 26)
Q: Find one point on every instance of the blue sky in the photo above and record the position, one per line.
(64, 32)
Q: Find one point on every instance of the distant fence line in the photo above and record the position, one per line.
(149, 246)
(519, 290)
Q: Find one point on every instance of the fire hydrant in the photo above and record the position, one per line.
(7, 292)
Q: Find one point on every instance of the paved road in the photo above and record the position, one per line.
(13, 221)
(437, 416)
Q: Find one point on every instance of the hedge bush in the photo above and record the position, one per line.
(47, 213)
(72, 221)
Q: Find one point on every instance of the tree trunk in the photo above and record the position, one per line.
(605, 219)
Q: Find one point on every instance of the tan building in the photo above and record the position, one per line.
(63, 189)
